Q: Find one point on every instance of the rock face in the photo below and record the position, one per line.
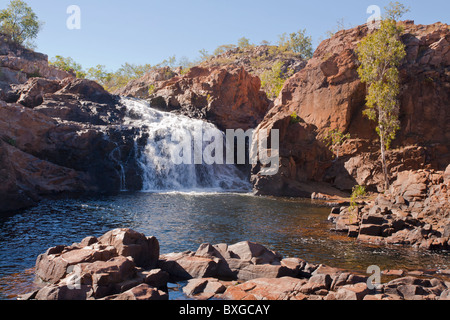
(327, 94)
(58, 135)
(228, 97)
(415, 213)
(121, 265)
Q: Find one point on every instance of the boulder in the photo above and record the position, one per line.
(227, 96)
(143, 250)
(265, 289)
(142, 292)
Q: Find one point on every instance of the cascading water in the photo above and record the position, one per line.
(160, 172)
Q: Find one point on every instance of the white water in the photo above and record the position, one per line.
(160, 173)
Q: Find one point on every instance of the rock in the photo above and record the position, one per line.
(370, 230)
(317, 283)
(327, 94)
(185, 266)
(253, 252)
(156, 278)
(352, 292)
(265, 289)
(143, 250)
(63, 292)
(209, 286)
(447, 175)
(143, 292)
(227, 96)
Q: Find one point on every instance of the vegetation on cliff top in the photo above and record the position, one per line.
(20, 23)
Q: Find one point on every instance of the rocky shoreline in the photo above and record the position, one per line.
(415, 212)
(126, 265)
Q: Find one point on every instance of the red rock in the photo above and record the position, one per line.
(143, 292)
(398, 273)
(229, 96)
(352, 292)
(184, 266)
(144, 250)
(327, 94)
(265, 289)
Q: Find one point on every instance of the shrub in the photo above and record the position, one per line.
(272, 81)
(358, 193)
(295, 118)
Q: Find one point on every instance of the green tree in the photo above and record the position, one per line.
(301, 44)
(69, 65)
(395, 10)
(335, 139)
(19, 22)
(224, 48)
(380, 54)
(244, 43)
(272, 80)
(99, 74)
(297, 42)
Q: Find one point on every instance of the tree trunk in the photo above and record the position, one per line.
(383, 160)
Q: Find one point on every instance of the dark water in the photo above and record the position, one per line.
(184, 221)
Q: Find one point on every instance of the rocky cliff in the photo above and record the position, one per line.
(58, 135)
(327, 94)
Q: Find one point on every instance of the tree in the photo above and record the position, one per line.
(380, 54)
(335, 139)
(272, 80)
(69, 65)
(297, 42)
(243, 43)
(224, 48)
(99, 74)
(395, 10)
(19, 22)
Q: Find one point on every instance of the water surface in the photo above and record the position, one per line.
(182, 221)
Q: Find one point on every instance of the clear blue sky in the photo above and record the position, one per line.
(148, 31)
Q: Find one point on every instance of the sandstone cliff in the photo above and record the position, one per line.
(327, 94)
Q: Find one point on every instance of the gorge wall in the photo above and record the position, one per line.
(327, 94)
(60, 135)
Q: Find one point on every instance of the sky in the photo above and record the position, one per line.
(113, 32)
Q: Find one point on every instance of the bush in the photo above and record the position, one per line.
(358, 193)
(20, 23)
(272, 81)
(295, 118)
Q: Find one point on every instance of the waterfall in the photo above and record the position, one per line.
(160, 173)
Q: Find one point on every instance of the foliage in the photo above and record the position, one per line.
(204, 55)
(395, 10)
(224, 48)
(297, 42)
(340, 25)
(69, 65)
(244, 43)
(335, 139)
(272, 81)
(381, 54)
(20, 23)
(151, 89)
(358, 192)
(9, 140)
(295, 118)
